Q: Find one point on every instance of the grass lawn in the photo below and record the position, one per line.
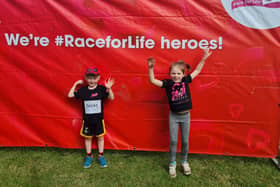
(63, 167)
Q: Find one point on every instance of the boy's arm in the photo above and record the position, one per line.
(108, 84)
(111, 94)
(72, 90)
(152, 79)
(200, 65)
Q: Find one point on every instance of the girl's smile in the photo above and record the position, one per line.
(176, 74)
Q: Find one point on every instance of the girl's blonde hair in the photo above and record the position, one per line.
(182, 65)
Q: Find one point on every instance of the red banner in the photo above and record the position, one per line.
(46, 45)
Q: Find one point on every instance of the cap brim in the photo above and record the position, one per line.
(94, 74)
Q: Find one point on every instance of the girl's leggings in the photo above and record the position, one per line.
(176, 120)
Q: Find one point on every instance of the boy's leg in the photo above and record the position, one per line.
(86, 132)
(100, 143)
(88, 143)
(101, 159)
(89, 157)
(100, 131)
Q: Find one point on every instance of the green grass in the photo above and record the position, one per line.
(63, 167)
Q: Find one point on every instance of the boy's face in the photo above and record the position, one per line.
(92, 80)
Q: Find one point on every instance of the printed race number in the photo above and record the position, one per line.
(92, 107)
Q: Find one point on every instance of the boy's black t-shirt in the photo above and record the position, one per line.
(179, 96)
(92, 101)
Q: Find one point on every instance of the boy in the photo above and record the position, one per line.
(93, 96)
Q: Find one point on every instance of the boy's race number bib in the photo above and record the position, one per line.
(92, 106)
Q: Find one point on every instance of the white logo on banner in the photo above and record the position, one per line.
(92, 106)
(258, 14)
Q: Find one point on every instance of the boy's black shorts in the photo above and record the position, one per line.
(93, 127)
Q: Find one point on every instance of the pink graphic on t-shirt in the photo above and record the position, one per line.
(178, 91)
(94, 95)
(263, 3)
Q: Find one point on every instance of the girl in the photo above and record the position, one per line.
(180, 104)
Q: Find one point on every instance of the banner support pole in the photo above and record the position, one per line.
(276, 160)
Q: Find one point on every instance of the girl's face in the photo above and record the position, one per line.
(92, 80)
(176, 74)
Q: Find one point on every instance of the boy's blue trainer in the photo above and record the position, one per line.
(87, 162)
(102, 162)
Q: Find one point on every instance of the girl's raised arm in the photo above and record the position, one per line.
(200, 65)
(152, 79)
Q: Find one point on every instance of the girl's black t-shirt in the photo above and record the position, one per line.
(179, 96)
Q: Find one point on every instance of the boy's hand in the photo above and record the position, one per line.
(207, 52)
(79, 82)
(109, 83)
(151, 62)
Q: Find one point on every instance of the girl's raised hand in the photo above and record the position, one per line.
(109, 83)
(151, 62)
(207, 52)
